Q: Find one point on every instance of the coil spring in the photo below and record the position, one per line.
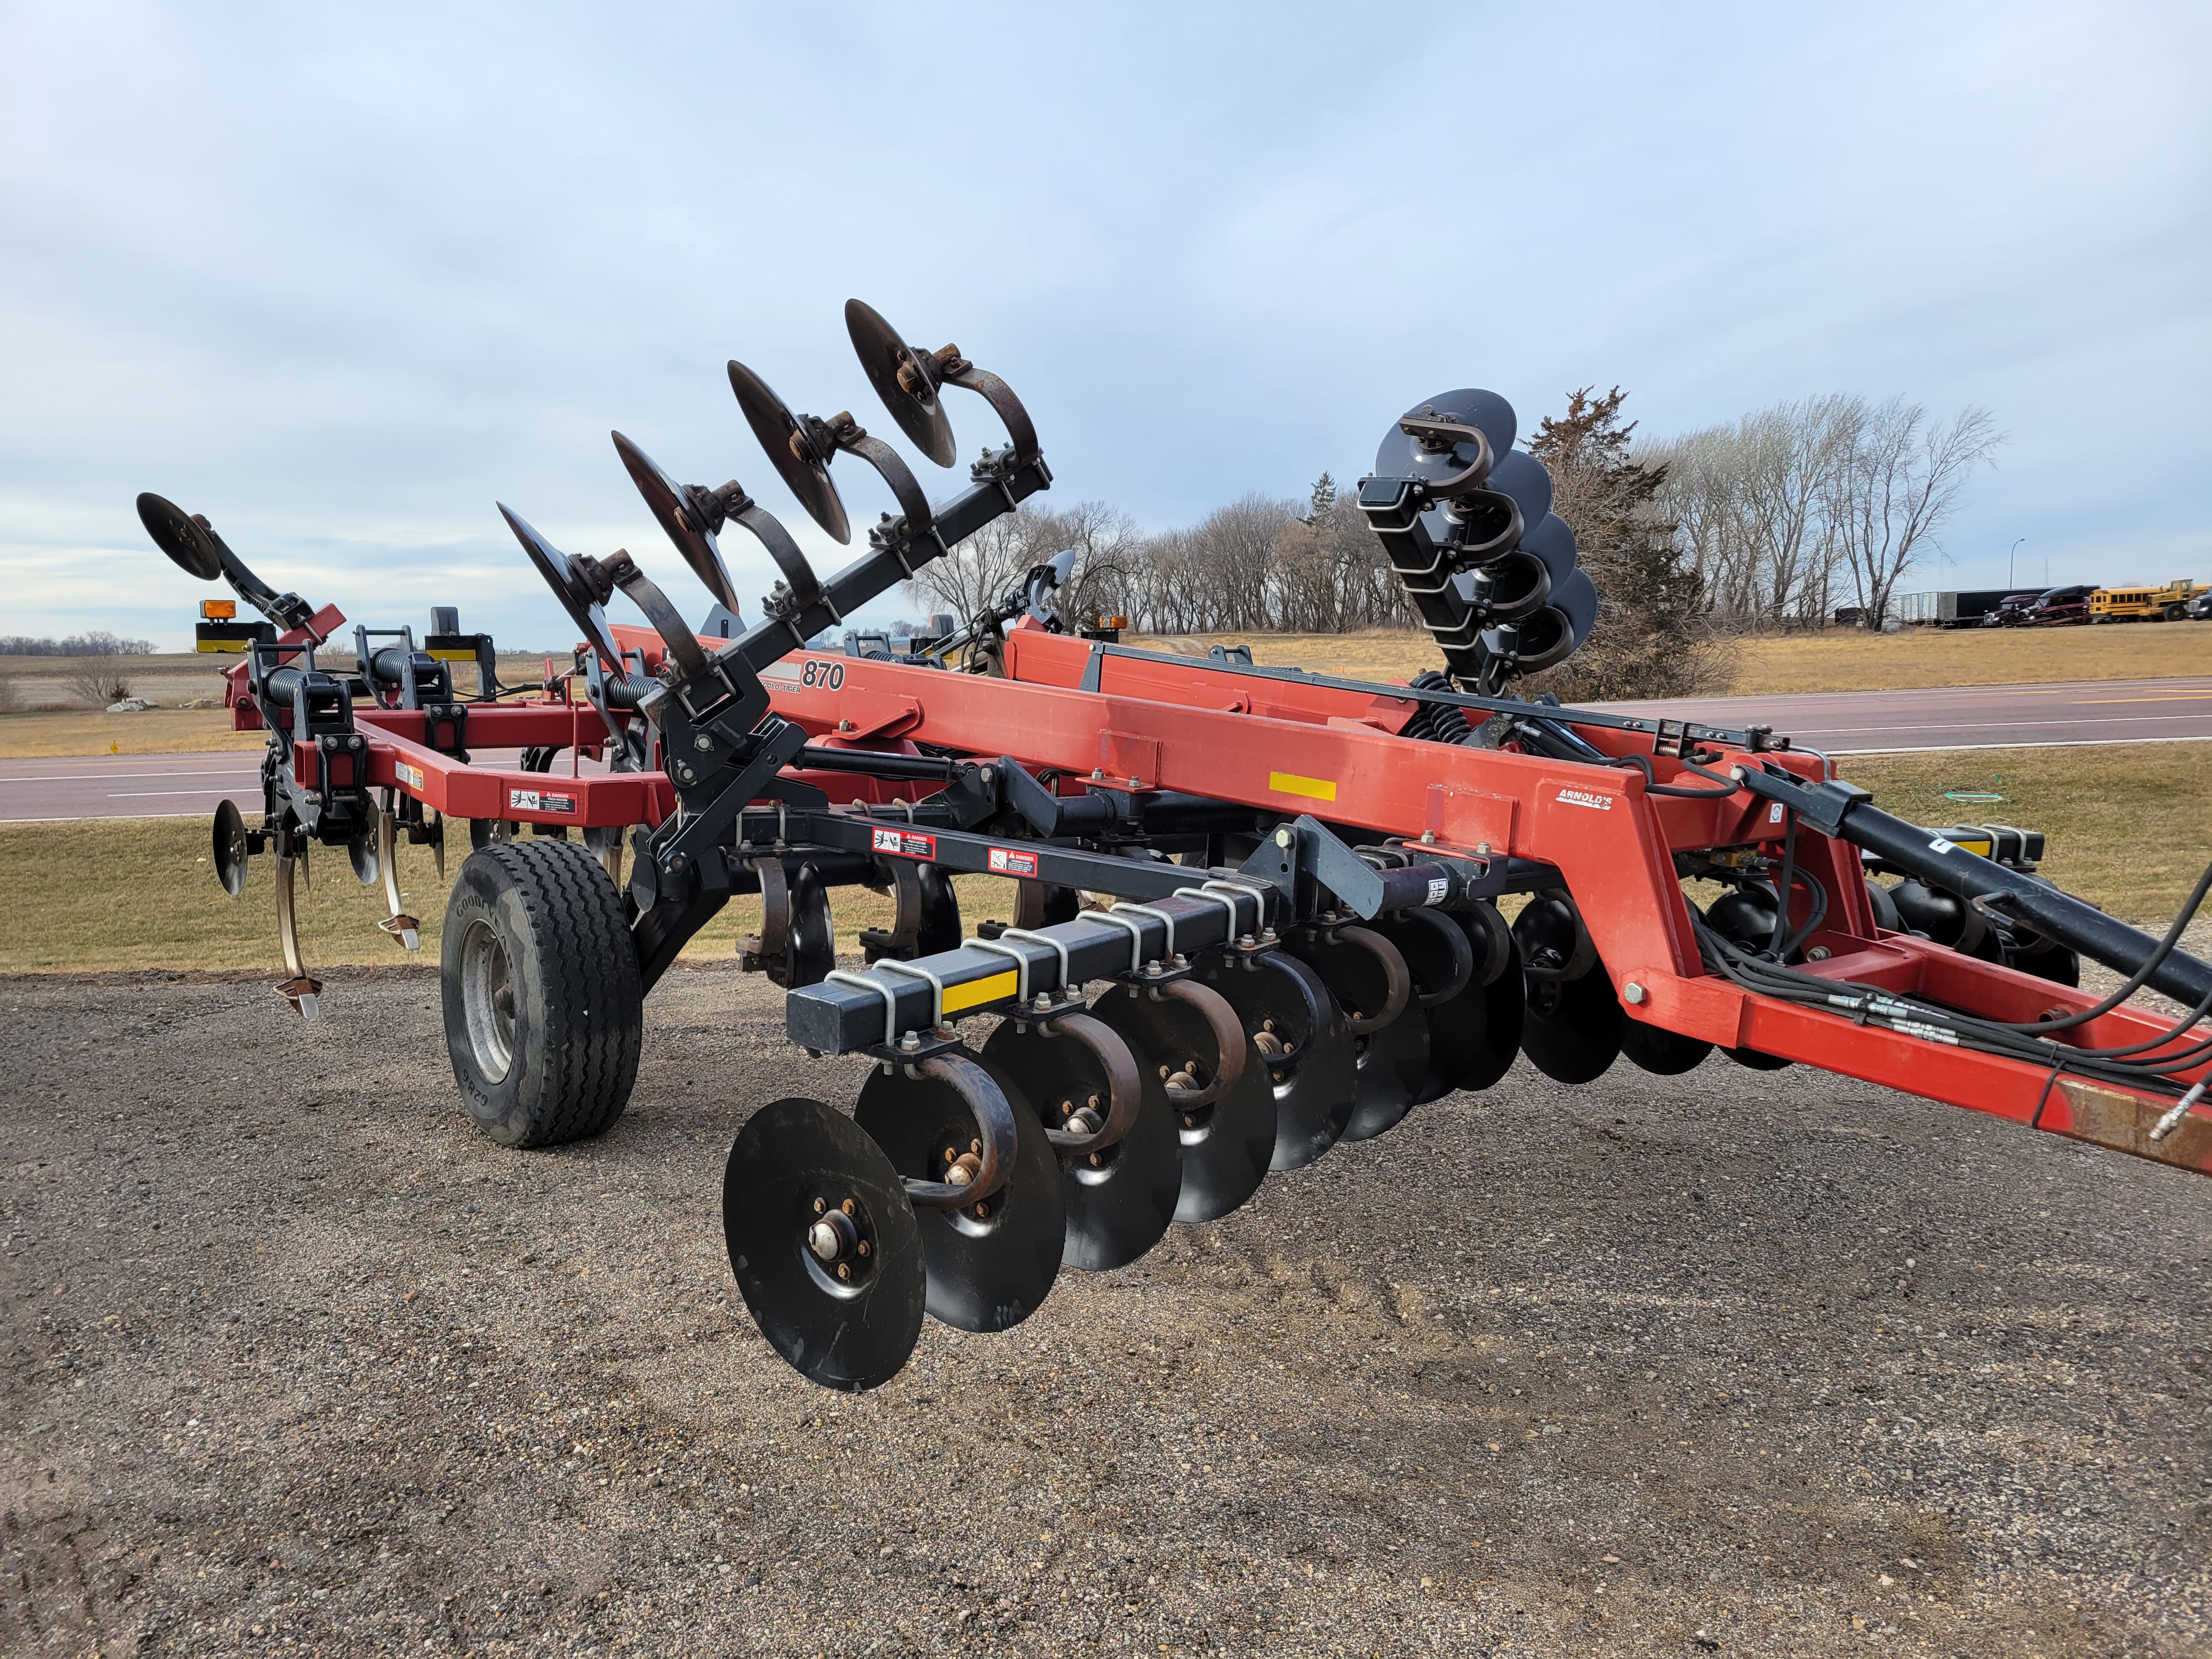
(1436, 722)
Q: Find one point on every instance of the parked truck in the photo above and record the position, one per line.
(1963, 609)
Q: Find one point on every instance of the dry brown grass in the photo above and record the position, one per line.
(139, 893)
(2129, 829)
(1837, 659)
(45, 716)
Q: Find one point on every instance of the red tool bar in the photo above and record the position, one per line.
(460, 789)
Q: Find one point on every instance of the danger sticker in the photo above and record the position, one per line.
(1005, 861)
(906, 844)
(538, 800)
(409, 775)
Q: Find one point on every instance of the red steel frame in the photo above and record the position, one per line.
(1292, 747)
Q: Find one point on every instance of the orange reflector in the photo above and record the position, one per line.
(218, 610)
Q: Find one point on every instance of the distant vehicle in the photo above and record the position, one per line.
(2062, 607)
(2198, 609)
(2163, 603)
(1961, 610)
(2010, 611)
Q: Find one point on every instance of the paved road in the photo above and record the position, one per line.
(141, 786)
(1966, 717)
(1844, 722)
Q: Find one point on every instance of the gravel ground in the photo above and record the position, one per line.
(1732, 1363)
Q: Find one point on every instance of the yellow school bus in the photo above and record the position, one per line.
(2143, 604)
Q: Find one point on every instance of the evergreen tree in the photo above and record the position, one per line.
(1324, 501)
(1653, 637)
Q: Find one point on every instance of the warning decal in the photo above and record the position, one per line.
(538, 800)
(409, 775)
(906, 844)
(1005, 861)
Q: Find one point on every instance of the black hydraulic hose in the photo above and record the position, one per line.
(1842, 810)
(1776, 944)
(2142, 975)
(1688, 792)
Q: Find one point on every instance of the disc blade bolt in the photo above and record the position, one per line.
(1636, 994)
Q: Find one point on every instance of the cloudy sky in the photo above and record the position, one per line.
(341, 277)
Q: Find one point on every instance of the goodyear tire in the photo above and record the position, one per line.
(544, 1004)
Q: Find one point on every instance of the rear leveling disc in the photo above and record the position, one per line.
(1504, 1004)
(1662, 1053)
(1227, 1143)
(1389, 1062)
(1571, 1030)
(1299, 1042)
(990, 1264)
(1439, 953)
(1121, 1197)
(824, 1244)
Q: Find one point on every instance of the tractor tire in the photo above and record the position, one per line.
(544, 1006)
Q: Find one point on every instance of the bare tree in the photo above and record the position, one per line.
(1899, 484)
(99, 682)
(984, 568)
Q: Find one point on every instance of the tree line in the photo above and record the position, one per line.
(97, 643)
(1771, 521)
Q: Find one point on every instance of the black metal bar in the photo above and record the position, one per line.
(1757, 740)
(842, 1018)
(1842, 810)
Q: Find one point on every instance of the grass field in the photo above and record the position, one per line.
(1837, 659)
(43, 713)
(139, 894)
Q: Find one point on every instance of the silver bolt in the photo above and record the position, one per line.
(1636, 994)
(1136, 783)
(1482, 847)
(1282, 837)
(1819, 953)
(702, 741)
(1428, 838)
(909, 1042)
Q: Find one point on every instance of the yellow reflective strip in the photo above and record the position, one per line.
(958, 997)
(1290, 783)
(454, 656)
(224, 647)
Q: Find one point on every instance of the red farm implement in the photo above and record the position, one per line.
(1281, 888)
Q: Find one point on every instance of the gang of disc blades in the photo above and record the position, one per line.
(792, 1156)
(698, 546)
(561, 576)
(775, 426)
(1521, 478)
(1400, 456)
(1459, 1025)
(1553, 540)
(1659, 1051)
(920, 413)
(1390, 1063)
(188, 545)
(1120, 1198)
(1504, 1001)
(1280, 998)
(1226, 1146)
(986, 1272)
(1571, 1030)
(230, 848)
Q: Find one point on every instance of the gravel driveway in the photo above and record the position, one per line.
(1732, 1363)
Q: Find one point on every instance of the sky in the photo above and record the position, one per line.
(341, 278)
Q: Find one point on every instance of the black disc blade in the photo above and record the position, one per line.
(940, 913)
(230, 848)
(910, 397)
(567, 587)
(795, 1163)
(1753, 1060)
(991, 1264)
(1120, 1198)
(1660, 1052)
(1390, 1063)
(1571, 1029)
(177, 534)
(1299, 1034)
(811, 952)
(1504, 1004)
(1226, 1146)
(696, 546)
(1434, 947)
(775, 426)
